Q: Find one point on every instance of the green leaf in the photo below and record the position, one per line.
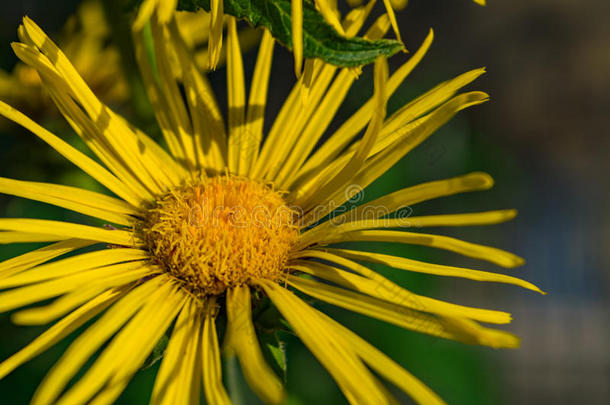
(274, 350)
(270, 327)
(320, 39)
(157, 352)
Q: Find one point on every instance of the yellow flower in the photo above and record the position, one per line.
(229, 214)
(85, 40)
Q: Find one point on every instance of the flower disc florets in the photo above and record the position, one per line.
(222, 232)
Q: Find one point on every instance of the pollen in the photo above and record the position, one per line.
(221, 232)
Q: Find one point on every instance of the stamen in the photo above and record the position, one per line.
(219, 233)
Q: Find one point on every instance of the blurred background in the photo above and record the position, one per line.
(543, 137)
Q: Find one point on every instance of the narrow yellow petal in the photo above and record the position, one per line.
(59, 331)
(76, 199)
(386, 367)
(179, 357)
(85, 163)
(128, 350)
(91, 340)
(26, 237)
(256, 104)
(490, 254)
(330, 14)
(368, 139)
(322, 115)
(208, 125)
(116, 131)
(400, 4)
(392, 16)
(429, 268)
(110, 276)
(379, 287)
(294, 115)
(380, 163)
(177, 113)
(405, 197)
(356, 382)
(236, 88)
(241, 340)
(476, 218)
(28, 260)
(73, 265)
(68, 302)
(165, 10)
(158, 101)
(65, 230)
(215, 393)
(407, 222)
(145, 11)
(352, 127)
(429, 100)
(296, 21)
(215, 39)
(397, 315)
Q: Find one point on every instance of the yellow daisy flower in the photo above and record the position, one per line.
(85, 41)
(224, 217)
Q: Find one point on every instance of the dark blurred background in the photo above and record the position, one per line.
(543, 137)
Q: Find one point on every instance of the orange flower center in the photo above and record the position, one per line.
(223, 232)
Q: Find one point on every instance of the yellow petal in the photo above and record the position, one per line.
(331, 15)
(85, 163)
(241, 340)
(175, 376)
(296, 21)
(294, 115)
(208, 125)
(356, 382)
(256, 104)
(76, 199)
(59, 331)
(109, 276)
(145, 11)
(73, 265)
(352, 127)
(215, 393)
(128, 350)
(445, 327)
(215, 40)
(380, 163)
(390, 11)
(236, 97)
(490, 254)
(90, 341)
(119, 137)
(386, 367)
(68, 302)
(65, 230)
(429, 268)
(28, 260)
(368, 139)
(379, 287)
(170, 92)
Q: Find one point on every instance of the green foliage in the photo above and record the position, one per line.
(320, 40)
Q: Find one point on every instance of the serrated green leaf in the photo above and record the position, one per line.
(320, 39)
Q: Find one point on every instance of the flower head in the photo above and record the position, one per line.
(224, 217)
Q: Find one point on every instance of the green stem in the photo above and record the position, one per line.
(234, 381)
